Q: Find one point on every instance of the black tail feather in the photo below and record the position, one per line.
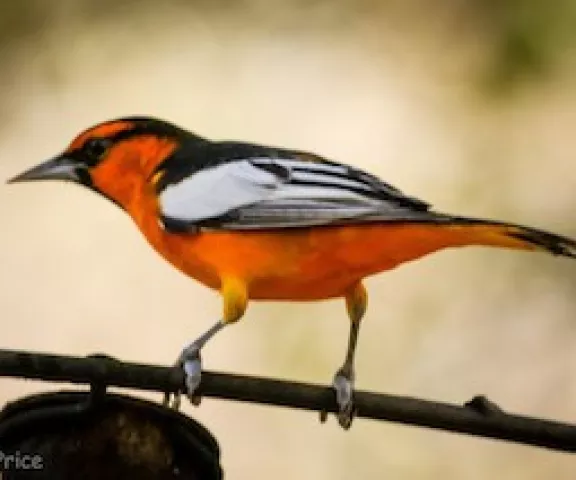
(555, 244)
(540, 239)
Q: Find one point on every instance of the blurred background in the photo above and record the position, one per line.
(470, 105)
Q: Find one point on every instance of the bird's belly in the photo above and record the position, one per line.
(297, 264)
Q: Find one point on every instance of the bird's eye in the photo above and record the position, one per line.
(95, 148)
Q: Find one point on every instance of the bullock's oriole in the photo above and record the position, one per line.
(266, 223)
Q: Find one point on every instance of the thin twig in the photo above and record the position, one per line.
(479, 417)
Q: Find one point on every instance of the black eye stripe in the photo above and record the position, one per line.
(97, 146)
(94, 149)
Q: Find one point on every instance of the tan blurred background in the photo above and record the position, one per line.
(470, 105)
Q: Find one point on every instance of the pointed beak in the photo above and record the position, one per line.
(59, 168)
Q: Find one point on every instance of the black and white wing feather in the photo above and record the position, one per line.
(235, 186)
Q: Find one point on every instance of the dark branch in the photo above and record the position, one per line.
(478, 417)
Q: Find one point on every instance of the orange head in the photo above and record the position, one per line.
(114, 158)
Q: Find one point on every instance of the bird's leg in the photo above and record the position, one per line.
(343, 383)
(191, 361)
(235, 299)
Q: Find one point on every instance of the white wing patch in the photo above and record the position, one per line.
(215, 191)
(275, 192)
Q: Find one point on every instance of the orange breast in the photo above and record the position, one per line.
(296, 264)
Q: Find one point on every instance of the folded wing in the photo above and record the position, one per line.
(267, 188)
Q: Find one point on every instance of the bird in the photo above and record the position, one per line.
(258, 222)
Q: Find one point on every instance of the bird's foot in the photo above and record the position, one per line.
(344, 389)
(191, 363)
(343, 385)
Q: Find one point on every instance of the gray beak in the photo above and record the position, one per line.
(59, 168)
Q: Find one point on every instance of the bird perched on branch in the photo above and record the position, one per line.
(265, 223)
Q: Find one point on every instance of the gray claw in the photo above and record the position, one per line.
(191, 363)
(346, 415)
(344, 389)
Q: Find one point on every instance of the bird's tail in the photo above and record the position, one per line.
(472, 231)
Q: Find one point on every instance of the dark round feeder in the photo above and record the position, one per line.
(104, 436)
